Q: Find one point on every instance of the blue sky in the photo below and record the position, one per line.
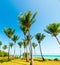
(48, 12)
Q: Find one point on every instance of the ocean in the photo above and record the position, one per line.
(48, 56)
(45, 56)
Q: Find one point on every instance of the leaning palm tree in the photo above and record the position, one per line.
(9, 32)
(39, 38)
(4, 47)
(27, 20)
(15, 38)
(34, 46)
(20, 45)
(53, 29)
(0, 45)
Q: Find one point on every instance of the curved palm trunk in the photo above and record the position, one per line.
(31, 62)
(57, 39)
(41, 52)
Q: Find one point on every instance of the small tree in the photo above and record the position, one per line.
(20, 45)
(15, 38)
(34, 46)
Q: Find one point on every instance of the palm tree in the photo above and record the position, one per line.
(4, 47)
(34, 46)
(39, 38)
(24, 29)
(15, 38)
(0, 45)
(27, 43)
(11, 44)
(24, 44)
(9, 32)
(20, 45)
(27, 20)
(53, 29)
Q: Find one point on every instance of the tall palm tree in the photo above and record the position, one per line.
(34, 46)
(9, 32)
(15, 38)
(0, 45)
(53, 29)
(27, 20)
(20, 45)
(24, 29)
(39, 38)
(4, 47)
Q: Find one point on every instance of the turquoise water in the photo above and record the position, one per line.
(45, 56)
(48, 56)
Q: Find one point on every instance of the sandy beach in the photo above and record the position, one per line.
(36, 62)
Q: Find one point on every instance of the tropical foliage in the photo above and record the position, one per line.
(26, 20)
(53, 29)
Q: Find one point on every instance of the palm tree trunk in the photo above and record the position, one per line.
(26, 54)
(31, 62)
(14, 49)
(34, 51)
(20, 52)
(41, 52)
(26, 51)
(57, 39)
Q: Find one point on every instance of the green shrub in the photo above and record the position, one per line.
(3, 54)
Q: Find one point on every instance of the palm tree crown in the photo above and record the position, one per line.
(20, 44)
(53, 29)
(39, 37)
(5, 47)
(11, 44)
(27, 19)
(9, 32)
(0, 43)
(15, 38)
(34, 45)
